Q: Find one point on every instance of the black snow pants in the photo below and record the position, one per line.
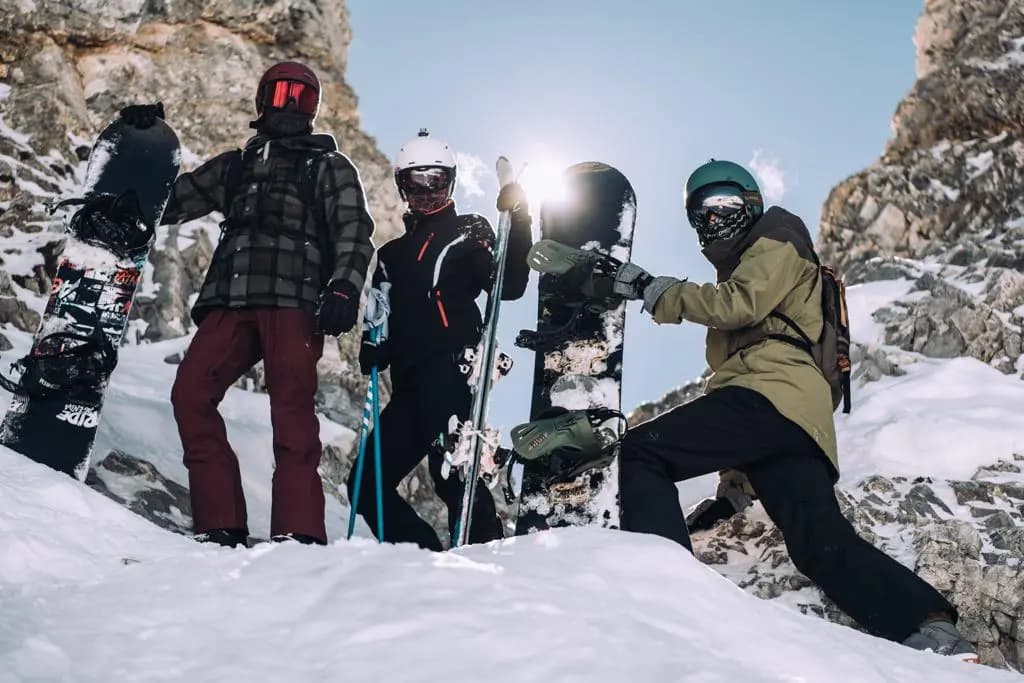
(422, 399)
(736, 428)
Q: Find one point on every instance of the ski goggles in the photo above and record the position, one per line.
(424, 180)
(279, 94)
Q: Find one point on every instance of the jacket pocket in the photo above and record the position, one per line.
(440, 308)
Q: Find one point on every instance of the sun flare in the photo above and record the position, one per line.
(544, 181)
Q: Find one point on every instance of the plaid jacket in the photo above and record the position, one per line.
(273, 249)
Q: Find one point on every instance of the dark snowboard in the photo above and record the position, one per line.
(579, 351)
(55, 410)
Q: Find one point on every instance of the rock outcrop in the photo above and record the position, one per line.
(67, 67)
(948, 190)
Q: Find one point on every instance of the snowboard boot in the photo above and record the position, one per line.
(942, 637)
(229, 538)
(297, 538)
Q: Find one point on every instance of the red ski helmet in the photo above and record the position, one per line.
(288, 82)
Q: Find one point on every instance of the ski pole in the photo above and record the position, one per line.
(375, 378)
(368, 412)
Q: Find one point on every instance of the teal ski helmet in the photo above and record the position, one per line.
(722, 199)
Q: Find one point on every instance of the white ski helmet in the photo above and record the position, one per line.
(425, 173)
(424, 151)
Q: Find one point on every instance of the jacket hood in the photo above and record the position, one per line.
(776, 224)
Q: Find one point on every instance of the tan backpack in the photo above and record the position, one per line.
(831, 351)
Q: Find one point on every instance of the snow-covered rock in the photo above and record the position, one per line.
(948, 190)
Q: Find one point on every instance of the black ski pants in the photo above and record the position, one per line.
(423, 398)
(736, 428)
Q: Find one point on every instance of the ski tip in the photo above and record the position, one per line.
(504, 169)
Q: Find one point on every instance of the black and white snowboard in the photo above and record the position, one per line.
(579, 352)
(59, 386)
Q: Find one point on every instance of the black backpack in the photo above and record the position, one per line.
(831, 351)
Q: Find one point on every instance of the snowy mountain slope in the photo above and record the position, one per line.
(90, 592)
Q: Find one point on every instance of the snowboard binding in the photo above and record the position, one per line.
(67, 364)
(583, 276)
(110, 222)
(571, 442)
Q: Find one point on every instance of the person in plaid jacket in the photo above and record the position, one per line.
(292, 258)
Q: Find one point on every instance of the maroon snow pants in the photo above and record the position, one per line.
(227, 343)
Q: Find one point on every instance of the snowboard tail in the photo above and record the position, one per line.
(60, 384)
(579, 344)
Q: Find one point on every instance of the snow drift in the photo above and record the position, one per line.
(91, 592)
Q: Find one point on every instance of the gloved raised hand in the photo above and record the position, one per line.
(142, 116)
(373, 355)
(512, 197)
(338, 308)
(731, 497)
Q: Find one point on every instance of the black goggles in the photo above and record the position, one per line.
(713, 203)
(419, 180)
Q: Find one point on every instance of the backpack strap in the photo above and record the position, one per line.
(233, 177)
(805, 341)
(306, 180)
(232, 180)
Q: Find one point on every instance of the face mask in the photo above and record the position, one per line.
(725, 254)
(276, 124)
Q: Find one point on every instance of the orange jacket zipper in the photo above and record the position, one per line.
(440, 308)
(423, 249)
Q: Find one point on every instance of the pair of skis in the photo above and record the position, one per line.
(484, 367)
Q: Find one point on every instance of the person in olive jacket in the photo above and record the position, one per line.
(292, 258)
(766, 412)
(436, 270)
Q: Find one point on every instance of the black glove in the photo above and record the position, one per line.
(513, 198)
(142, 115)
(373, 355)
(338, 309)
(610, 277)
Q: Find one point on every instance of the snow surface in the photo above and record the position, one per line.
(944, 419)
(90, 592)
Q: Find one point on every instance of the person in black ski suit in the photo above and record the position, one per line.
(436, 269)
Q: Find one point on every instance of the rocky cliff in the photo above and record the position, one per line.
(931, 238)
(66, 67)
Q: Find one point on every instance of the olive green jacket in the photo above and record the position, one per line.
(771, 268)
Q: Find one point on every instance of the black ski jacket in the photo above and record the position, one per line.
(437, 269)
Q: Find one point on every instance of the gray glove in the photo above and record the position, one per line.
(631, 280)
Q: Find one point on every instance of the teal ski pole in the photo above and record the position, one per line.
(369, 412)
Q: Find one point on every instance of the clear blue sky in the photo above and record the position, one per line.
(653, 88)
